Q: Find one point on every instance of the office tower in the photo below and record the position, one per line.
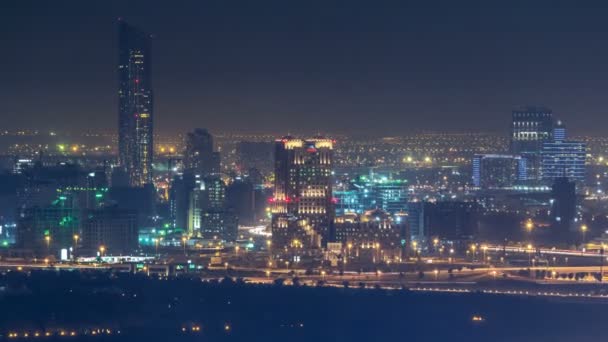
(208, 215)
(371, 192)
(199, 157)
(530, 129)
(563, 158)
(374, 235)
(498, 171)
(22, 163)
(219, 224)
(303, 206)
(372, 227)
(217, 221)
(135, 105)
(349, 201)
(391, 194)
(241, 197)
(50, 229)
(451, 220)
(559, 131)
(114, 229)
(415, 220)
(179, 198)
(563, 206)
(195, 211)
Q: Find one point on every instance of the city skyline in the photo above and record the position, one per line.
(225, 65)
(426, 171)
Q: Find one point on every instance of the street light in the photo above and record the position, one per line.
(47, 238)
(157, 242)
(584, 230)
(102, 250)
(529, 225)
(184, 240)
(76, 237)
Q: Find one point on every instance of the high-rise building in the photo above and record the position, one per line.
(563, 206)
(451, 220)
(391, 195)
(372, 227)
(415, 220)
(498, 171)
(530, 129)
(563, 158)
(208, 215)
(199, 157)
(303, 206)
(50, 229)
(182, 186)
(371, 192)
(135, 104)
(114, 229)
(349, 201)
(241, 197)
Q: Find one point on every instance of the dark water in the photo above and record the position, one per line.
(144, 309)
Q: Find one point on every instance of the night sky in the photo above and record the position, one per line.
(375, 67)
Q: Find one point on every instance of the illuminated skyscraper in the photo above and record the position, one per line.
(303, 206)
(563, 158)
(530, 129)
(208, 216)
(135, 104)
(498, 171)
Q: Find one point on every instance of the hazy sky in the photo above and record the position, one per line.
(386, 67)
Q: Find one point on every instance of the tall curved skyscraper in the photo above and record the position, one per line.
(135, 104)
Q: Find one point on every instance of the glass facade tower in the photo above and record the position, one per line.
(135, 105)
(530, 129)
